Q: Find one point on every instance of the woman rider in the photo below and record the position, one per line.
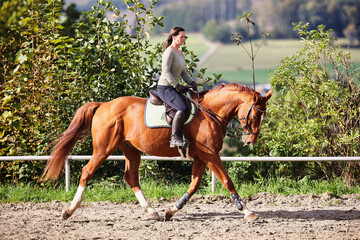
(169, 88)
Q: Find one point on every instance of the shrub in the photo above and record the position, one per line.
(317, 110)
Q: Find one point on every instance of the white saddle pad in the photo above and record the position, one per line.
(155, 115)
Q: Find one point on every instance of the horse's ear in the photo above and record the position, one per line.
(268, 95)
(255, 98)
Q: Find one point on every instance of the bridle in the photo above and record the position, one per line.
(246, 126)
(216, 118)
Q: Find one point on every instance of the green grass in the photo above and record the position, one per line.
(284, 186)
(195, 43)
(103, 191)
(244, 76)
(235, 65)
(231, 57)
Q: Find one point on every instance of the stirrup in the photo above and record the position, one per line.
(175, 141)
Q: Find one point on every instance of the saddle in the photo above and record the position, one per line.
(157, 115)
(169, 111)
(156, 100)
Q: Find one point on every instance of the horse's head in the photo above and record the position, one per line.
(251, 115)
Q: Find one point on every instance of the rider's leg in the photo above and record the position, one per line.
(177, 129)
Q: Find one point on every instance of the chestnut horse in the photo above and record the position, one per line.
(120, 124)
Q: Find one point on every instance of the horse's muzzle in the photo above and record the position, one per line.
(249, 139)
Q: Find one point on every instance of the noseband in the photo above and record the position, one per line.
(246, 126)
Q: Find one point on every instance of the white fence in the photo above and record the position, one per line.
(235, 159)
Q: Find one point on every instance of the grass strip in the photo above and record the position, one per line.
(102, 191)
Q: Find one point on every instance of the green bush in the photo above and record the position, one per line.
(317, 108)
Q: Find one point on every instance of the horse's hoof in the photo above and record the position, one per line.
(154, 216)
(168, 214)
(65, 215)
(251, 217)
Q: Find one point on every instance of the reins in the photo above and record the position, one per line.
(207, 111)
(215, 117)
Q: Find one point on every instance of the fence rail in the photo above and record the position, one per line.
(154, 158)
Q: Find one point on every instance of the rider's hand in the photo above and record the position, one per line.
(180, 88)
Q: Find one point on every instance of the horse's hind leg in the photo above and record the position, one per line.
(74, 204)
(105, 142)
(87, 172)
(132, 163)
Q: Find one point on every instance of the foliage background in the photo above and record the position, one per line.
(47, 73)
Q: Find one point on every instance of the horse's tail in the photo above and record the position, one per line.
(80, 124)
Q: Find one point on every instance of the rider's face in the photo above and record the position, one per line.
(180, 38)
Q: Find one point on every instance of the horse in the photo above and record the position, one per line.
(120, 124)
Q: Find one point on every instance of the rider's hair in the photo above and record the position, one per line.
(174, 32)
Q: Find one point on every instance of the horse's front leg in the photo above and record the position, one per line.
(196, 177)
(218, 168)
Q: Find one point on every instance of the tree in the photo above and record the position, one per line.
(10, 13)
(32, 86)
(32, 90)
(114, 58)
(351, 8)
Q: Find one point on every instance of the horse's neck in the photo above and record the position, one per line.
(226, 105)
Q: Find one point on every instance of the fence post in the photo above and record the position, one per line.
(67, 174)
(213, 181)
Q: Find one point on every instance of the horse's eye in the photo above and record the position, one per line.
(254, 117)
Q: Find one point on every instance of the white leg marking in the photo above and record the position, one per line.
(142, 199)
(247, 212)
(144, 202)
(77, 199)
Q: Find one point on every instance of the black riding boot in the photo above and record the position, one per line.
(177, 129)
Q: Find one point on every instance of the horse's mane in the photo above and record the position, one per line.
(232, 87)
(228, 87)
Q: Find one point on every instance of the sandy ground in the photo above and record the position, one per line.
(210, 217)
